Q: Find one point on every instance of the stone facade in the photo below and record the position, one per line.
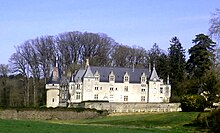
(112, 84)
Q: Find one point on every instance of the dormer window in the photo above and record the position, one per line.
(96, 78)
(111, 77)
(143, 79)
(96, 75)
(126, 77)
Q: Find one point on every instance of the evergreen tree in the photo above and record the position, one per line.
(201, 56)
(163, 66)
(176, 65)
(200, 61)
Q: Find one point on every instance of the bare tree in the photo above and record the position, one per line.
(214, 29)
(30, 55)
(120, 55)
(46, 53)
(4, 70)
(19, 66)
(69, 47)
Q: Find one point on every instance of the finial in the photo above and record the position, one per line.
(154, 65)
(149, 67)
(57, 58)
(87, 63)
(168, 79)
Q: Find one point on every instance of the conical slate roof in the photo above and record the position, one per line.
(154, 75)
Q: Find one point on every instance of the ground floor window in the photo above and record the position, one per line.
(96, 96)
(126, 98)
(78, 95)
(142, 98)
(161, 89)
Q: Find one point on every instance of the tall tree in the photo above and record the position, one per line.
(201, 58)
(46, 52)
(214, 32)
(177, 64)
(154, 53)
(214, 29)
(158, 57)
(120, 55)
(162, 66)
(19, 66)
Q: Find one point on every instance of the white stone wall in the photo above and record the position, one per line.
(95, 90)
(91, 89)
(52, 98)
(155, 93)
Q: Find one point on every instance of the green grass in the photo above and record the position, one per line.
(135, 123)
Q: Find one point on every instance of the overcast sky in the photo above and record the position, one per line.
(130, 22)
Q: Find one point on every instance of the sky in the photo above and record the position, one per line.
(128, 22)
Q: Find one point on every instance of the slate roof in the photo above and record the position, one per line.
(55, 79)
(154, 75)
(77, 77)
(119, 72)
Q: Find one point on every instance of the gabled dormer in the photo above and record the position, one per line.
(126, 77)
(143, 78)
(97, 76)
(111, 77)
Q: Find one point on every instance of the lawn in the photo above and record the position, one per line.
(132, 123)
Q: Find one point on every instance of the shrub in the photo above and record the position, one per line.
(210, 122)
(191, 103)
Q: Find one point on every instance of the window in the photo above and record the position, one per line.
(143, 79)
(78, 86)
(142, 90)
(78, 95)
(126, 78)
(142, 98)
(111, 98)
(52, 99)
(111, 78)
(100, 88)
(111, 88)
(142, 85)
(161, 89)
(96, 78)
(63, 97)
(125, 98)
(116, 89)
(96, 96)
(126, 88)
(96, 88)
